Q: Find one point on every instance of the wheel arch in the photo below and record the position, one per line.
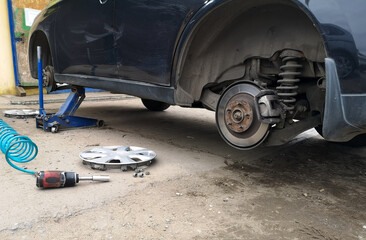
(215, 41)
(39, 38)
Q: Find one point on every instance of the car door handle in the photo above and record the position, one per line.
(103, 1)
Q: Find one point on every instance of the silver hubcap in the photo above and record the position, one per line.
(118, 155)
(21, 113)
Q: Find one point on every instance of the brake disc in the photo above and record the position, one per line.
(21, 113)
(236, 117)
(123, 157)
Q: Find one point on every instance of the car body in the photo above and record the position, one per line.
(270, 69)
(362, 61)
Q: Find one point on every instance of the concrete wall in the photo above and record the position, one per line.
(7, 81)
(35, 4)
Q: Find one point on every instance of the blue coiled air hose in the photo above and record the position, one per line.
(17, 148)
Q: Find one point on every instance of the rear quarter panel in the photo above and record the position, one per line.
(345, 110)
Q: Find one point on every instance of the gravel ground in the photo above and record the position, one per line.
(199, 188)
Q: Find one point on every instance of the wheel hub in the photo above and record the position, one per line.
(239, 116)
(49, 79)
(236, 117)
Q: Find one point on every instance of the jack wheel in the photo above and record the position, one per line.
(236, 117)
(100, 123)
(54, 129)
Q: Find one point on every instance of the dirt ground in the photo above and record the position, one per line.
(199, 187)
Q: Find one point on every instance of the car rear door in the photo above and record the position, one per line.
(146, 34)
(85, 38)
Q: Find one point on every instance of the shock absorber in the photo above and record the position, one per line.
(287, 89)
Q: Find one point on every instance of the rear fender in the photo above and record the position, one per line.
(42, 34)
(213, 34)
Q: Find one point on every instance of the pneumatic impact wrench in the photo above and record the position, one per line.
(59, 179)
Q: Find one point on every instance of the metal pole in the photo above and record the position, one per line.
(13, 46)
(40, 80)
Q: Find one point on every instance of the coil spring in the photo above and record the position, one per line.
(287, 91)
(16, 148)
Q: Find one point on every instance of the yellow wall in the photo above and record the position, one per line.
(7, 80)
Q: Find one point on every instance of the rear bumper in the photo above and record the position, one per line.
(362, 61)
(345, 114)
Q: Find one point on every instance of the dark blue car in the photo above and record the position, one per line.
(270, 69)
